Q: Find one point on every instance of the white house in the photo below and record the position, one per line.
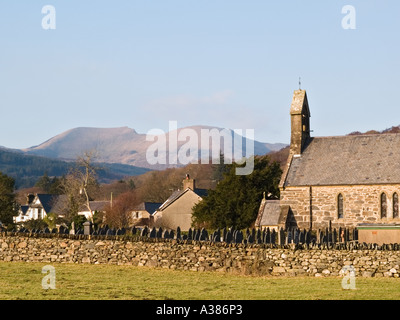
(40, 205)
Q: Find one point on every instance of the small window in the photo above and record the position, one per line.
(395, 205)
(340, 206)
(383, 205)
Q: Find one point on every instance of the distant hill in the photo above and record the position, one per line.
(394, 129)
(123, 145)
(27, 169)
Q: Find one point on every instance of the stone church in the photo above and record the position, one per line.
(340, 181)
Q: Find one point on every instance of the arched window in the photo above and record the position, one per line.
(383, 205)
(395, 205)
(340, 206)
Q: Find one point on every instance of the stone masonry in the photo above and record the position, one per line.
(361, 204)
(197, 256)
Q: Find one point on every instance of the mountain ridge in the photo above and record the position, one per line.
(124, 145)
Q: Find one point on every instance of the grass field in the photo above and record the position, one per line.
(21, 280)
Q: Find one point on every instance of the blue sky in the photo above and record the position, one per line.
(232, 64)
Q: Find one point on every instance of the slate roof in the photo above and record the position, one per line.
(150, 207)
(98, 205)
(95, 205)
(271, 213)
(347, 160)
(52, 203)
(177, 194)
(24, 209)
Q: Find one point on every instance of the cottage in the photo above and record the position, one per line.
(40, 205)
(344, 180)
(176, 211)
(95, 206)
(142, 215)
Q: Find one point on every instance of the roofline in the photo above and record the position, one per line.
(358, 135)
(286, 171)
(171, 202)
(342, 185)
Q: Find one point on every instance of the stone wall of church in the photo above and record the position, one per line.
(361, 204)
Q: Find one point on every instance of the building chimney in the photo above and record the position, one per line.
(29, 198)
(188, 183)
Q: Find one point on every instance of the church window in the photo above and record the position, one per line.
(340, 206)
(383, 205)
(395, 205)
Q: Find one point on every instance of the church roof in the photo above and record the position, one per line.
(347, 160)
(271, 213)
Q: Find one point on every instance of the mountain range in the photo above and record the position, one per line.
(125, 146)
(120, 152)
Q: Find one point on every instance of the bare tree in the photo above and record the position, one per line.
(119, 213)
(80, 183)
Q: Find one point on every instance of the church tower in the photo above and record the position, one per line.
(300, 122)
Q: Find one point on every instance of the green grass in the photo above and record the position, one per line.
(21, 280)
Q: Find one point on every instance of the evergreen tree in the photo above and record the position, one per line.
(8, 205)
(236, 199)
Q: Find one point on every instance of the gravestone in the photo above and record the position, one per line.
(133, 231)
(234, 234)
(267, 237)
(258, 236)
(302, 238)
(171, 234)
(203, 235)
(153, 233)
(308, 237)
(87, 228)
(178, 233)
(229, 237)
(273, 236)
(144, 232)
(196, 236)
(296, 236)
(224, 232)
(239, 237)
(159, 233)
(281, 237)
(190, 234)
(216, 236)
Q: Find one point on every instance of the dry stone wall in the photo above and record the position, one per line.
(254, 259)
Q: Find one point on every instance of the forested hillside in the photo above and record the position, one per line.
(26, 170)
